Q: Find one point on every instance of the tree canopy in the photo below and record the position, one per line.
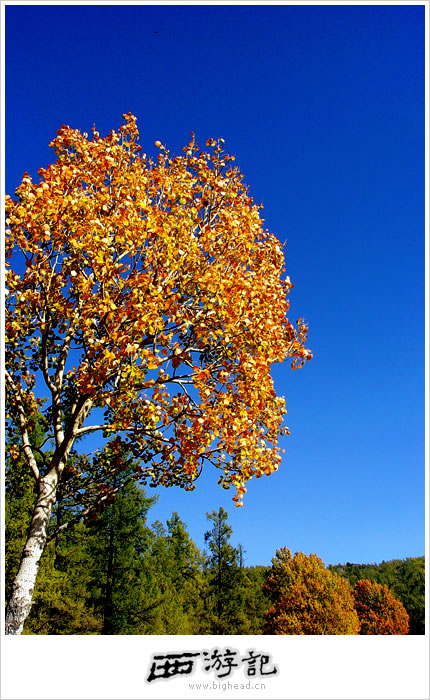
(379, 611)
(151, 291)
(307, 598)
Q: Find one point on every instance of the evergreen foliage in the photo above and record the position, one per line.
(120, 541)
(63, 601)
(226, 580)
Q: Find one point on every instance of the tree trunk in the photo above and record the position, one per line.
(19, 605)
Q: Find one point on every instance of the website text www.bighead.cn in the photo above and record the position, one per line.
(226, 685)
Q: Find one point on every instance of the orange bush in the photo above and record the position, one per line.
(379, 611)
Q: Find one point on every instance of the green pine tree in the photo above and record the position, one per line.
(226, 581)
(409, 588)
(256, 600)
(121, 541)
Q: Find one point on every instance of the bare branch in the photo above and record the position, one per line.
(45, 371)
(63, 357)
(90, 429)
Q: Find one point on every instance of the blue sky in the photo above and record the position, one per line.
(323, 107)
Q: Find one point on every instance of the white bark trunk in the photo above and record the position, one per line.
(19, 605)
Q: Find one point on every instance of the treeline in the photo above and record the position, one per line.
(117, 574)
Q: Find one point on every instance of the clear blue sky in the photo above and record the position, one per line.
(323, 107)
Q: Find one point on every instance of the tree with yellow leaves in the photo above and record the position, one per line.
(308, 598)
(147, 299)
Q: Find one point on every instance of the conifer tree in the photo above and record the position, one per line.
(257, 601)
(409, 588)
(121, 543)
(175, 567)
(226, 582)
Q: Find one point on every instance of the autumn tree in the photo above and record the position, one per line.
(146, 299)
(307, 598)
(379, 611)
